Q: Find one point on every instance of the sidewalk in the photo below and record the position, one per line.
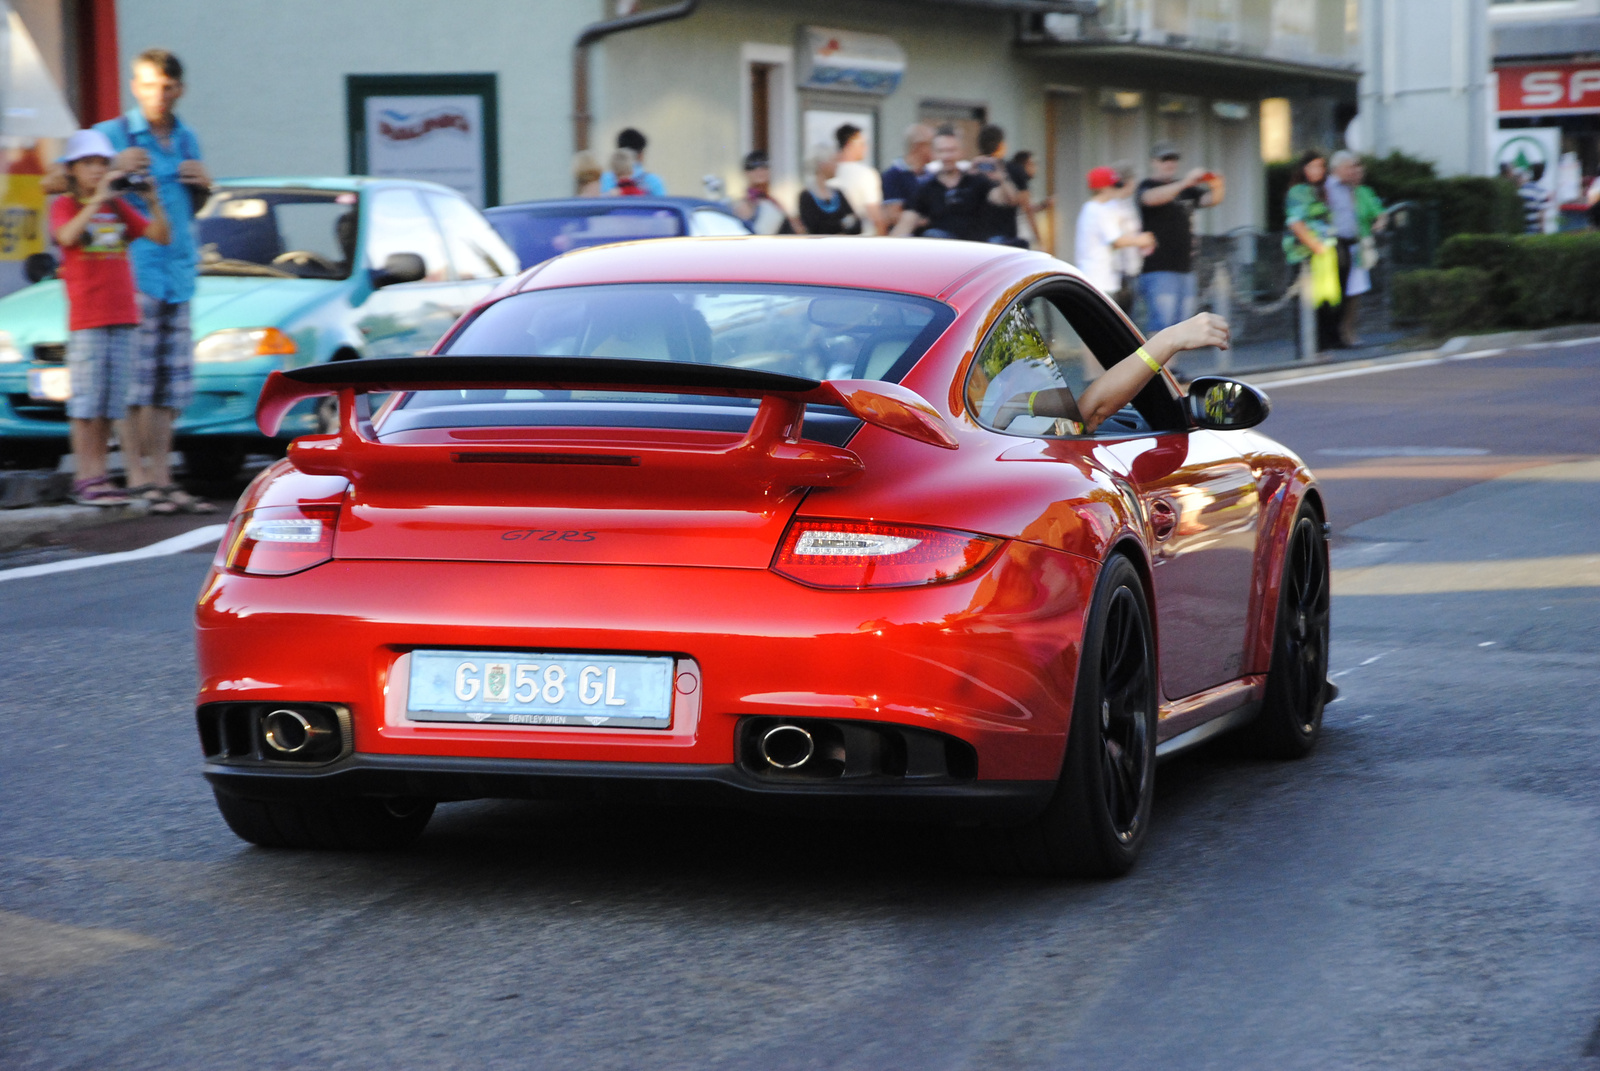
(1281, 357)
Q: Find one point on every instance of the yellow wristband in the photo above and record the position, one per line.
(1031, 397)
(1155, 365)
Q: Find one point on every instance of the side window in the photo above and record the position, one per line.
(708, 221)
(1032, 347)
(398, 223)
(476, 251)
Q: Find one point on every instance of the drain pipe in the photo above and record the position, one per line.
(580, 58)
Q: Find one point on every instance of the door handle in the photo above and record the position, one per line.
(1163, 518)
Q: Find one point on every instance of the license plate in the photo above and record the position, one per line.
(610, 691)
(49, 384)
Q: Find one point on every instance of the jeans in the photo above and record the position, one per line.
(1169, 298)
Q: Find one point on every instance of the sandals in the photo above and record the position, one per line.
(99, 491)
(154, 498)
(177, 500)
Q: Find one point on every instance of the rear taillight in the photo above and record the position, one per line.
(867, 554)
(278, 540)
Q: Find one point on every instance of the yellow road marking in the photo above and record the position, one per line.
(1437, 578)
(33, 948)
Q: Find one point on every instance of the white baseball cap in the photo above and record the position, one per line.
(87, 143)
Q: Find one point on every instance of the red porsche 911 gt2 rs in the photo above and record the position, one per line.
(751, 520)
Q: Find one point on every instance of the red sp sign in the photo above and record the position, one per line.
(1551, 89)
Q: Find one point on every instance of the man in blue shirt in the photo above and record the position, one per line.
(151, 140)
(632, 139)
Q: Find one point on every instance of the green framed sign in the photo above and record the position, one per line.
(442, 128)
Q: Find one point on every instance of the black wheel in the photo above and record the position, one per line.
(1297, 682)
(1100, 814)
(359, 824)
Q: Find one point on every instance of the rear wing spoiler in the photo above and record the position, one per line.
(774, 437)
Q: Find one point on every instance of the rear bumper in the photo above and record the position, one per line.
(990, 661)
(455, 778)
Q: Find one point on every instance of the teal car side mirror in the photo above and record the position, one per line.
(399, 268)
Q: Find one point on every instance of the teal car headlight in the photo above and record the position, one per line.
(243, 344)
(8, 348)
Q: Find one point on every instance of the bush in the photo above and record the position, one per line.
(1555, 278)
(1494, 253)
(1444, 300)
(1466, 204)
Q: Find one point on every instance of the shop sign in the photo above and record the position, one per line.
(1550, 89)
(850, 62)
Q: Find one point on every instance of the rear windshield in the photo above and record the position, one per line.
(275, 232)
(813, 332)
(538, 236)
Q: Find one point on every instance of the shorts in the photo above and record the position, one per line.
(100, 367)
(164, 371)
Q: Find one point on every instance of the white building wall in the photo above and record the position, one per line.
(266, 78)
(1425, 90)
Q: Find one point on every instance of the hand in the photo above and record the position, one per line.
(1197, 177)
(132, 159)
(1198, 332)
(1147, 243)
(104, 192)
(193, 173)
(1380, 223)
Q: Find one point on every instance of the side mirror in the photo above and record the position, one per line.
(399, 268)
(1226, 404)
(39, 267)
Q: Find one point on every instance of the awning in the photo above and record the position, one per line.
(1538, 40)
(33, 105)
(1203, 71)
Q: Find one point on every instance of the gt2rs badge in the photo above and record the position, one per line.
(546, 535)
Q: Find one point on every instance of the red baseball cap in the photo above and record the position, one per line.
(1102, 177)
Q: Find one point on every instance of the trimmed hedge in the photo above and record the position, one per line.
(1491, 252)
(1445, 300)
(1531, 280)
(1468, 204)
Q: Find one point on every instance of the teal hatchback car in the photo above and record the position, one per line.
(293, 271)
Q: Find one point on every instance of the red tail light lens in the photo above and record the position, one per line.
(866, 554)
(279, 540)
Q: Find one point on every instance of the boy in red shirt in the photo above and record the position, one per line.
(93, 227)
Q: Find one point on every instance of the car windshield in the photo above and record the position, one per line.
(539, 235)
(281, 233)
(813, 332)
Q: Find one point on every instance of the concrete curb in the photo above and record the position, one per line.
(18, 527)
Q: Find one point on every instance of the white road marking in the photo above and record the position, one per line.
(1404, 451)
(177, 544)
(1474, 355)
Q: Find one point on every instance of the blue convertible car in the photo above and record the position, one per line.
(294, 271)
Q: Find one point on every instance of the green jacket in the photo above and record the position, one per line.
(1368, 208)
(1305, 204)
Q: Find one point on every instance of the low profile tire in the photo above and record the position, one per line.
(1297, 682)
(1096, 823)
(359, 824)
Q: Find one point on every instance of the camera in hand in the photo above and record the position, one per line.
(132, 182)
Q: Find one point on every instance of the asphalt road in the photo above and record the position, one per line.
(1419, 893)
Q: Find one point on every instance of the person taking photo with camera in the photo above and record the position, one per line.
(153, 142)
(94, 226)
